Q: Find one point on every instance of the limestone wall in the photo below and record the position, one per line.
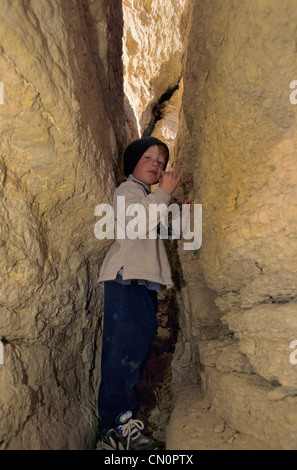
(238, 138)
(60, 65)
(152, 53)
(64, 123)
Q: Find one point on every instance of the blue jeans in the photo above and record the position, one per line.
(129, 326)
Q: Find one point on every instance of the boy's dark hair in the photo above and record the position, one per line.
(136, 149)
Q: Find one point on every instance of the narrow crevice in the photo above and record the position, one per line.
(155, 384)
(158, 109)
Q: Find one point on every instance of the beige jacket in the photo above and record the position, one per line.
(141, 258)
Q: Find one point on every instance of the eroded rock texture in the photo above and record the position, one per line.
(61, 130)
(212, 79)
(152, 54)
(238, 136)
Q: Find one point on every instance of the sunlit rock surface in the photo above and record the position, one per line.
(60, 66)
(238, 136)
(214, 83)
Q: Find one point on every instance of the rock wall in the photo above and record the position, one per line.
(217, 77)
(152, 53)
(62, 129)
(238, 139)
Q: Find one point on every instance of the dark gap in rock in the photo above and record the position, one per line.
(157, 110)
(155, 384)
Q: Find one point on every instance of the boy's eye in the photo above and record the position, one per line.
(148, 157)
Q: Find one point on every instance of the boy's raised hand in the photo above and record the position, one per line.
(169, 181)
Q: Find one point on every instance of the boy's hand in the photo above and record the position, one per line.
(169, 181)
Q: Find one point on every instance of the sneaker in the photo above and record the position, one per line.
(126, 435)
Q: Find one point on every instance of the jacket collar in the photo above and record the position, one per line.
(145, 186)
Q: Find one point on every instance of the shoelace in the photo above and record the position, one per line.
(129, 429)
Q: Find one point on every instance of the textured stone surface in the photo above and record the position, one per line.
(60, 63)
(65, 120)
(265, 333)
(195, 425)
(152, 53)
(237, 136)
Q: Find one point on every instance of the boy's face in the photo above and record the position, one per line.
(151, 165)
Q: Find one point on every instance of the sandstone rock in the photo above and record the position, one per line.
(194, 425)
(235, 150)
(215, 84)
(60, 64)
(152, 53)
(268, 349)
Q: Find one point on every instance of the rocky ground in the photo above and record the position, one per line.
(194, 425)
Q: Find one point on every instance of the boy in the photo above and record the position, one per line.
(133, 271)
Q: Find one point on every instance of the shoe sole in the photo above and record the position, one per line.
(109, 447)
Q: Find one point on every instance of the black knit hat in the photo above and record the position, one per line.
(136, 149)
